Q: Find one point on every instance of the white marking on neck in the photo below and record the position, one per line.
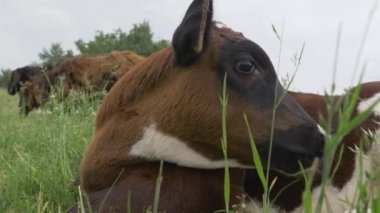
(368, 103)
(156, 145)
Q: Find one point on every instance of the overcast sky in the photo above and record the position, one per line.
(28, 26)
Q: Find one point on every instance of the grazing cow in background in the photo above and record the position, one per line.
(168, 108)
(96, 73)
(21, 75)
(36, 91)
(81, 73)
(345, 175)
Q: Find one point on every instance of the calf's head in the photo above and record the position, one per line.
(174, 97)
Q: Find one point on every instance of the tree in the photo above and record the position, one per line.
(5, 76)
(161, 44)
(102, 43)
(54, 55)
(139, 39)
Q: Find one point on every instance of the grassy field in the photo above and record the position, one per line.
(40, 155)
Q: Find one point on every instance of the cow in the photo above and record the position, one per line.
(96, 73)
(168, 109)
(18, 77)
(81, 73)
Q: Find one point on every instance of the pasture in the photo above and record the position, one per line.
(40, 155)
(157, 112)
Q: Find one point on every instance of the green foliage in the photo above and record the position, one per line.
(40, 154)
(5, 76)
(54, 55)
(139, 39)
(102, 43)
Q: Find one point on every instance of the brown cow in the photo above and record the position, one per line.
(78, 73)
(168, 108)
(96, 73)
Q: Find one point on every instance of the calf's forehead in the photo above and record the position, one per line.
(231, 42)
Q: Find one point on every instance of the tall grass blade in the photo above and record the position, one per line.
(158, 188)
(256, 156)
(224, 141)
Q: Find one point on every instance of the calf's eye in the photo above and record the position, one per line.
(246, 66)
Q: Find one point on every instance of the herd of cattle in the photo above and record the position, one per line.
(167, 108)
(82, 73)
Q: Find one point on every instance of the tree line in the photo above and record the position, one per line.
(139, 39)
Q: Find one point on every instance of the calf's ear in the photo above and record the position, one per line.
(193, 34)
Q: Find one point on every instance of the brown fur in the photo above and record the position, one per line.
(193, 185)
(36, 91)
(182, 190)
(176, 93)
(316, 105)
(152, 89)
(79, 73)
(112, 118)
(96, 73)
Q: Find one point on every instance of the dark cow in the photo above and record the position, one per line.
(19, 76)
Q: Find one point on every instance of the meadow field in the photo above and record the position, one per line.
(40, 154)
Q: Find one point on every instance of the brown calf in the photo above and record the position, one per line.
(168, 108)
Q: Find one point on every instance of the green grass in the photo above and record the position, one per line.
(40, 155)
